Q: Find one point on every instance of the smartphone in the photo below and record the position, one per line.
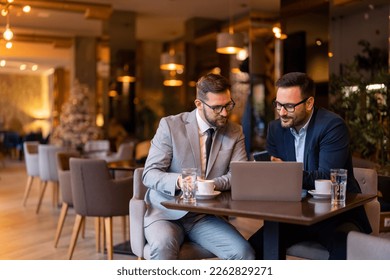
(262, 156)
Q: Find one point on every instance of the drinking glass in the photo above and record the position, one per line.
(339, 186)
(188, 177)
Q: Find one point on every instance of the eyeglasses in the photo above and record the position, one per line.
(218, 109)
(289, 107)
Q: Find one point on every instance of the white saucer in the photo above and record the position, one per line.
(207, 196)
(319, 195)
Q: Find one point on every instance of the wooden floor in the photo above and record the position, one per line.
(25, 235)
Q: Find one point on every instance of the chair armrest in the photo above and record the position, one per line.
(373, 209)
(137, 210)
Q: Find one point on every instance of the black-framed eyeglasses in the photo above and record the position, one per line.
(218, 109)
(289, 107)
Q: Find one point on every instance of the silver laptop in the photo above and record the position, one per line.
(266, 180)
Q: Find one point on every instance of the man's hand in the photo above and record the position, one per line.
(275, 159)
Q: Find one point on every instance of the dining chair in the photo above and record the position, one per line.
(125, 152)
(97, 194)
(97, 148)
(361, 246)
(48, 171)
(62, 161)
(139, 246)
(32, 165)
(368, 182)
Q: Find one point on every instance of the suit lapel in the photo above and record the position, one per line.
(193, 138)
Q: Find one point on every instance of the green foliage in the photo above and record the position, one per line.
(364, 110)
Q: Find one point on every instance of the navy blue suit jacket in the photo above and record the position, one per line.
(326, 147)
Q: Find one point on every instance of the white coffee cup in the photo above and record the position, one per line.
(323, 186)
(205, 186)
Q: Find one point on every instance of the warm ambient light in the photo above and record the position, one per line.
(171, 61)
(27, 9)
(173, 83)
(8, 45)
(8, 34)
(172, 80)
(125, 76)
(230, 43)
(3, 63)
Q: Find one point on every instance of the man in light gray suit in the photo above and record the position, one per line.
(180, 142)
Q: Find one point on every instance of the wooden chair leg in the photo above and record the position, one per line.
(83, 226)
(109, 239)
(124, 230)
(43, 188)
(97, 234)
(30, 180)
(56, 194)
(60, 225)
(75, 233)
(103, 230)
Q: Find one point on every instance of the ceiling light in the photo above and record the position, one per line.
(230, 42)
(172, 80)
(8, 34)
(2, 63)
(8, 45)
(171, 61)
(27, 9)
(125, 76)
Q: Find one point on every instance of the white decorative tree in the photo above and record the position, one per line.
(77, 123)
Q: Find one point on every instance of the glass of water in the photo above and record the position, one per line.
(339, 186)
(188, 184)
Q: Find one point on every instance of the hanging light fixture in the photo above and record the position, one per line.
(172, 80)
(8, 34)
(171, 61)
(230, 42)
(124, 75)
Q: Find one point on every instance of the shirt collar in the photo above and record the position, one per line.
(303, 129)
(202, 125)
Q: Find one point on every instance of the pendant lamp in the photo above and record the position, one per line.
(124, 75)
(171, 61)
(172, 79)
(230, 42)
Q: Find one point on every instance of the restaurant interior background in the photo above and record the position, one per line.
(96, 42)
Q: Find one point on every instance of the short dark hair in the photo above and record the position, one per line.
(302, 80)
(214, 83)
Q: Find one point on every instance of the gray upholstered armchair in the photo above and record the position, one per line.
(362, 246)
(368, 181)
(139, 246)
(32, 165)
(97, 194)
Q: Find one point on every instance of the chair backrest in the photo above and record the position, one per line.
(137, 209)
(63, 170)
(362, 246)
(125, 152)
(97, 145)
(95, 193)
(31, 158)
(48, 161)
(368, 182)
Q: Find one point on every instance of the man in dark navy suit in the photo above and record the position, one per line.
(319, 139)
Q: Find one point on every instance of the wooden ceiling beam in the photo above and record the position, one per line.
(90, 10)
